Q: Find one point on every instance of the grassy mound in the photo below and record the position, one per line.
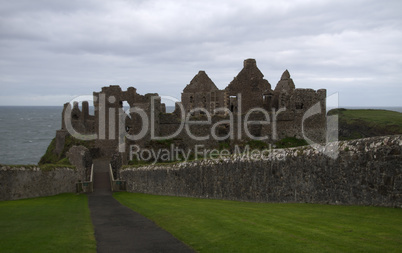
(231, 226)
(50, 157)
(59, 223)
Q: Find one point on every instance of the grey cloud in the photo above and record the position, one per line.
(73, 47)
(24, 7)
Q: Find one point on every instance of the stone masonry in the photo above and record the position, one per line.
(19, 182)
(366, 172)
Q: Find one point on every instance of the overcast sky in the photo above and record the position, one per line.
(52, 51)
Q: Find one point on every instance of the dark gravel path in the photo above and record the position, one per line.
(118, 228)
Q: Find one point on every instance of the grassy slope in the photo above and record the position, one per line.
(51, 158)
(59, 223)
(230, 226)
(354, 124)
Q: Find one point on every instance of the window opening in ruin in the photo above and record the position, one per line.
(125, 105)
(267, 97)
(91, 110)
(126, 108)
(233, 103)
(191, 99)
(299, 105)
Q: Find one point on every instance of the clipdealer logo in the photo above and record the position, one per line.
(111, 123)
(174, 153)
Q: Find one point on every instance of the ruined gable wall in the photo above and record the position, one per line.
(108, 122)
(81, 120)
(199, 93)
(250, 83)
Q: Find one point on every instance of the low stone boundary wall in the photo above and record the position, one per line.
(366, 172)
(31, 181)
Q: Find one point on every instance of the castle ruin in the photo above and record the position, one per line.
(205, 116)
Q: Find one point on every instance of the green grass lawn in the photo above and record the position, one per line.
(231, 226)
(59, 223)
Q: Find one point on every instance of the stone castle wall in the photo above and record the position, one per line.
(366, 172)
(29, 182)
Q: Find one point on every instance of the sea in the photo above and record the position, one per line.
(26, 131)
